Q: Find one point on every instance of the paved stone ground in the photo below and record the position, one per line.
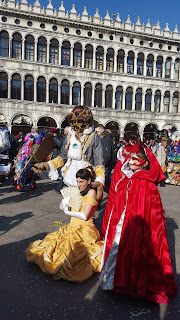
(27, 293)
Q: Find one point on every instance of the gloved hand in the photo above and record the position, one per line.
(100, 188)
(41, 166)
(63, 205)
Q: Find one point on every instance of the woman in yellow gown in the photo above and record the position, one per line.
(73, 252)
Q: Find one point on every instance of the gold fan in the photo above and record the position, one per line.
(75, 197)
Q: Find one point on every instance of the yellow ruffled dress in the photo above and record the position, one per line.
(73, 252)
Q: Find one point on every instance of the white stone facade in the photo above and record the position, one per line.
(125, 73)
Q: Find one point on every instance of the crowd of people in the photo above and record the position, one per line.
(131, 251)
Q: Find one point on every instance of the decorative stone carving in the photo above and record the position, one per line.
(96, 18)
(49, 9)
(138, 25)
(22, 119)
(128, 23)
(73, 13)
(37, 7)
(24, 5)
(61, 11)
(107, 19)
(84, 16)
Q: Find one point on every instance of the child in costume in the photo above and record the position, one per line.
(136, 258)
(81, 148)
(73, 252)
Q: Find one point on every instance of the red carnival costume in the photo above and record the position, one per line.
(136, 258)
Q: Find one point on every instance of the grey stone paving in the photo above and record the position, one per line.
(27, 293)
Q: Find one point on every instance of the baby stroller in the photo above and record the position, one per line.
(25, 177)
(5, 145)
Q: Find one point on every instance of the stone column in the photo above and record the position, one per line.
(135, 63)
(59, 92)
(133, 98)
(92, 103)
(144, 65)
(123, 99)
(103, 97)
(35, 50)
(71, 56)
(94, 59)
(163, 67)
(70, 94)
(9, 87)
(48, 47)
(35, 89)
(172, 68)
(23, 49)
(152, 100)
(10, 47)
(22, 88)
(104, 61)
(125, 63)
(82, 58)
(162, 103)
(113, 98)
(115, 61)
(59, 55)
(154, 68)
(170, 102)
(143, 99)
(47, 91)
(82, 94)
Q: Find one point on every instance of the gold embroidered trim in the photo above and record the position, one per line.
(68, 141)
(88, 142)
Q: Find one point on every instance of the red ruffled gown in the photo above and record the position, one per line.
(136, 258)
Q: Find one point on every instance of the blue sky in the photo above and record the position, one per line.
(156, 10)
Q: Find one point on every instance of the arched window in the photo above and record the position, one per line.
(175, 101)
(41, 89)
(76, 93)
(110, 60)
(29, 48)
(99, 58)
(140, 63)
(148, 97)
(108, 97)
(120, 61)
(65, 53)
(4, 44)
(166, 101)
(29, 88)
(89, 57)
(118, 98)
(157, 101)
(88, 95)
(176, 69)
(168, 68)
(17, 46)
(3, 85)
(138, 99)
(159, 63)
(98, 96)
(53, 91)
(42, 49)
(149, 65)
(77, 55)
(130, 62)
(16, 87)
(54, 51)
(128, 98)
(65, 92)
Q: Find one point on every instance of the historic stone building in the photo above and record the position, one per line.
(51, 60)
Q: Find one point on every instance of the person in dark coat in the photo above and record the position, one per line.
(108, 153)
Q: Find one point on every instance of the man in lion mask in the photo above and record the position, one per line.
(81, 148)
